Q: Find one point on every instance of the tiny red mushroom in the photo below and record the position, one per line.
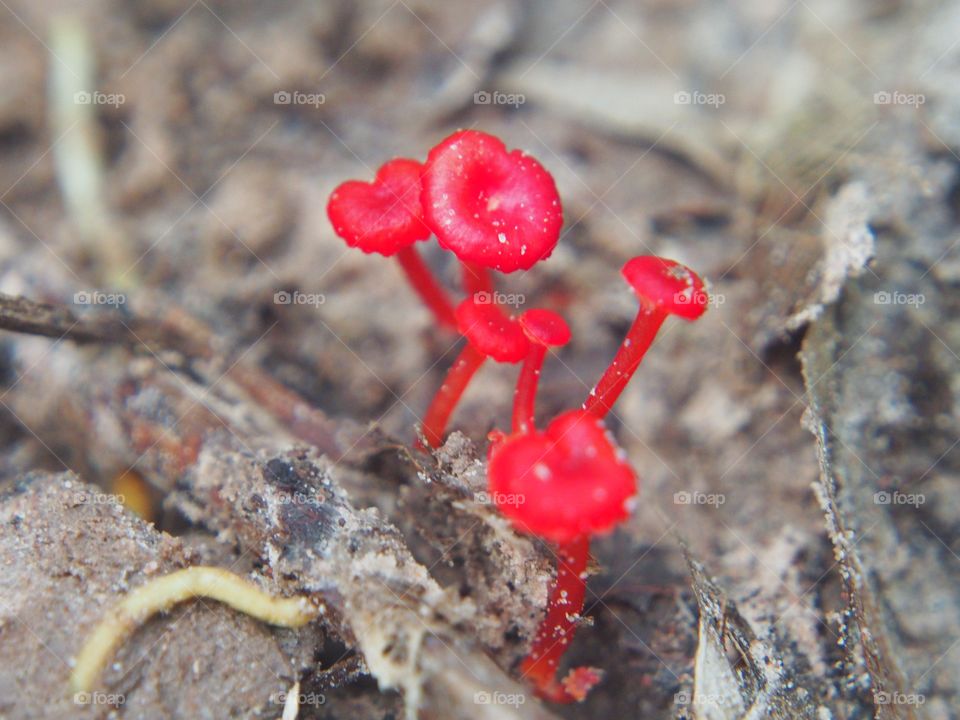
(663, 287)
(564, 484)
(494, 208)
(386, 217)
(490, 333)
(544, 329)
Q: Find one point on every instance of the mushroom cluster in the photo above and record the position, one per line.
(493, 208)
(570, 482)
(499, 210)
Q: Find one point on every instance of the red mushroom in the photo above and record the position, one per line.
(544, 329)
(565, 484)
(386, 217)
(489, 333)
(664, 287)
(492, 207)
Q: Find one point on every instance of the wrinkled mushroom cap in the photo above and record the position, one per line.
(545, 327)
(666, 284)
(566, 482)
(490, 206)
(383, 216)
(491, 331)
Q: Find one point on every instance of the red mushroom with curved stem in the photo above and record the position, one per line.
(544, 329)
(386, 217)
(490, 333)
(565, 484)
(494, 208)
(664, 287)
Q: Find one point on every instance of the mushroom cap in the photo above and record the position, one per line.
(565, 482)
(382, 216)
(490, 206)
(662, 283)
(492, 331)
(545, 327)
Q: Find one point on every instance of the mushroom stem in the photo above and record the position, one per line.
(441, 408)
(558, 627)
(426, 286)
(476, 279)
(625, 362)
(524, 397)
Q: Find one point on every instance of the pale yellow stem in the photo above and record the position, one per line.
(163, 593)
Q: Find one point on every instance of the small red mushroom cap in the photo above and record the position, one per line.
(545, 327)
(666, 284)
(491, 206)
(383, 216)
(491, 331)
(566, 482)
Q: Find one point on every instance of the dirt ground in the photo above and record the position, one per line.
(794, 552)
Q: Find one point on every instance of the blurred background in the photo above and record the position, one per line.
(802, 155)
